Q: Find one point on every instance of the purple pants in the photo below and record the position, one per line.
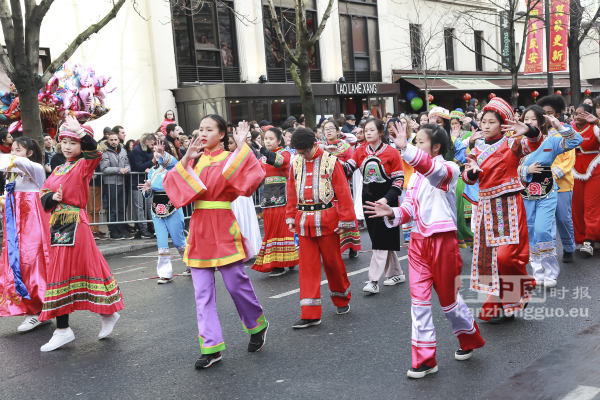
(241, 291)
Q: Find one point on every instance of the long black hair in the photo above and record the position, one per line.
(31, 145)
(438, 135)
(539, 116)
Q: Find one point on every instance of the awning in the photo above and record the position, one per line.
(452, 84)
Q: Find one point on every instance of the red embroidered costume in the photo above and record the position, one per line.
(312, 187)
(278, 249)
(501, 247)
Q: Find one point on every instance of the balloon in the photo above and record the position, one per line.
(411, 94)
(416, 103)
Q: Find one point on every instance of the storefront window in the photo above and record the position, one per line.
(296, 108)
(239, 111)
(182, 39)
(278, 112)
(379, 106)
(194, 115)
(259, 110)
(360, 48)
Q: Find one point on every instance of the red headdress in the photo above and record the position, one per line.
(64, 132)
(499, 105)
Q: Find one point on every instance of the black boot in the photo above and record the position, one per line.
(567, 257)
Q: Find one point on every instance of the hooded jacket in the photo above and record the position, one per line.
(111, 163)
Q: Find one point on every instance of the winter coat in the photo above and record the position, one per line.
(140, 160)
(111, 163)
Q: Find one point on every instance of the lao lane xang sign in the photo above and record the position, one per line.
(534, 55)
(559, 25)
(355, 88)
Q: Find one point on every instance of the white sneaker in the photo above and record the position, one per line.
(371, 287)
(539, 282)
(394, 280)
(187, 272)
(30, 322)
(164, 280)
(587, 249)
(550, 282)
(60, 337)
(108, 323)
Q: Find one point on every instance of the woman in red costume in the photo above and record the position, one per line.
(501, 247)
(343, 151)
(78, 277)
(586, 189)
(26, 241)
(278, 250)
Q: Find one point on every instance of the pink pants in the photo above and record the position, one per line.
(436, 261)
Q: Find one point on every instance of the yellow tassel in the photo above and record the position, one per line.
(64, 218)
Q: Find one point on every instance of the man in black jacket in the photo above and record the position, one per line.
(350, 124)
(141, 160)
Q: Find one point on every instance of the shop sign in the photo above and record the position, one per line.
(355, 88)
(474, 84)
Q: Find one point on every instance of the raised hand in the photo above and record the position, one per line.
(455, 131)
(589, 118)
(58, 196)
(378, 209)
(72, 124)
(241, 133)
(466, 119)
(414, 125)
(519, 128)
(144, 187)
(160, 147)
(553, 121)
(400, 138)
(472, 165)
(195, 149)
(535, 168)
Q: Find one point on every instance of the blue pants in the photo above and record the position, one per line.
(564, 221)
(172, 225)
(541, 241)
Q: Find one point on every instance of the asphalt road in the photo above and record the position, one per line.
(363, 354)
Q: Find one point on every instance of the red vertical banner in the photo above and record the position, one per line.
(534, 53)
(559, 27)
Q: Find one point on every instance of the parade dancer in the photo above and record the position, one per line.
(540, 195)
(433, 255)
(26, 241)
(244, 210)
(78, 277)
(501, 247)
(212, 180)
(586, 191)
(562, 171)
(316, 181)
(167, 219)
(278, 250)
(383, 178)
(343, 151)
(357, 181)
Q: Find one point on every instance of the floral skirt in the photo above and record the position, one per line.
(278, 249)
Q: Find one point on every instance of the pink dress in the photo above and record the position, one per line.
(33, 238)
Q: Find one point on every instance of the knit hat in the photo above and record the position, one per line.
(63, 132)
(458, 114)
(500, 106)
(439, 112)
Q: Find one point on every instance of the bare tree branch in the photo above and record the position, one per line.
(326, 16)
(82, 37)
(280, 37)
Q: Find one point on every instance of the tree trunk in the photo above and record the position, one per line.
(575, 76)
(30, 115)
(514, 90)
(309, 107)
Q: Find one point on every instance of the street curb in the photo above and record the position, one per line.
(109, 250)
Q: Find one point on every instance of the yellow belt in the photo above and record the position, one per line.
(212, 205)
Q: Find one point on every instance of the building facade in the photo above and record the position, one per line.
(224, 58)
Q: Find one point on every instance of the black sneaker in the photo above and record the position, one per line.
(462, 355)
(353, 253)
(257, 340)
(291, 268)
(127, 236)
(206, 360)
(117, 237)
(343, 310)
(420, 372)
(567, 257)
(147, 235)
(131, 229)
(305, 323)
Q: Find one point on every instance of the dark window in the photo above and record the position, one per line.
(449, 42)
(278, 64)
(478, 50)
(360, 48)
(205, 46)
(415, 46)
